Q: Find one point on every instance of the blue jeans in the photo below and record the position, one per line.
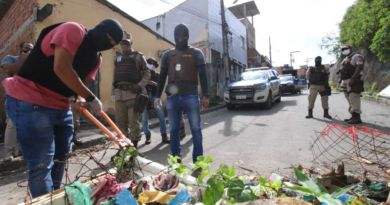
(161, 118)
(190, 104)
(44, 135)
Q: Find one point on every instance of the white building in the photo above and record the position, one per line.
(203, 18)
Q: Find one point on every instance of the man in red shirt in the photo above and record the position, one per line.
(64, 57)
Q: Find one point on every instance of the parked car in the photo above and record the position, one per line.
(289, 84)
(256, 86)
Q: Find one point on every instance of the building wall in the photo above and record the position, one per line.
(237, 41)
(12, 30)
(250, 33)
(204, 21)
(91, 12)
(193, 14)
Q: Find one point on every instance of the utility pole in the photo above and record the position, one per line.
(270, 50)
(225, 57)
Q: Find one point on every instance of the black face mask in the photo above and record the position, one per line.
(181, 37)
(317, 61)
(98, 36)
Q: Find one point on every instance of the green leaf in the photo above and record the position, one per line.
(328, 199)
(277, 185)
(262, 180)
(235, 187)
(257, 190)
(214, 191)
(202, 175)
(302, 190)
(246, 195)
(341, 191)
(300, 175)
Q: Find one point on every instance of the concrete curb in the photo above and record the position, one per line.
(89, 137)
(380, 100)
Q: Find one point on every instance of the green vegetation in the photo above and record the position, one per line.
(371, 90)
(224, 186)
(366, 25)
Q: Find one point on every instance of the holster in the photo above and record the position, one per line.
(357, 86)
(140, 103)
(134, 88)
(327, 91)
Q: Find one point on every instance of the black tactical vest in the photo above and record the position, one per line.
(39, 68)
(318, 75)
(182, 67)
(126, 69)
(347, 70)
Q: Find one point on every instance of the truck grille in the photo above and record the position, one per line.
(241, 95)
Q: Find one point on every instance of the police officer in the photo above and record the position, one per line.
(351, 82)
(151, 89)
(131, 75)
(183, 64)
(318, 83)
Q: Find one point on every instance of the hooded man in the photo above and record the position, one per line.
(351, 75)
(65, 56)
(183, 65)
(318, 84)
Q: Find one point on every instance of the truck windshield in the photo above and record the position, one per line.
(257, 75)
(286, 78)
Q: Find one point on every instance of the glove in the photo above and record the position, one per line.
(96, 105)
(157, 103)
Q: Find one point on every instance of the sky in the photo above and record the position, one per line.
(292, 25)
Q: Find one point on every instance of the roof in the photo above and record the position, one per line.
(124, 14)
(245, 9)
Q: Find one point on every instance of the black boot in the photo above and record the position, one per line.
(310, 114)
(326, 114)
(135, 143)
(148, 139)
(164, 138)
(355, 119)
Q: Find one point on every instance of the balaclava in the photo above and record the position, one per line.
(318, 61)
(181, 37)
(98, 36)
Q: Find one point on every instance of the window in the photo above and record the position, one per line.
(158, 25)
(242, 42)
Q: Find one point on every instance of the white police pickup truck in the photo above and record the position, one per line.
(256, 86)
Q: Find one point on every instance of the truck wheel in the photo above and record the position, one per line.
(230, 106)
(268, 103)
(279, 98)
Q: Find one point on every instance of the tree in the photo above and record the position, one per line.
(366, 25)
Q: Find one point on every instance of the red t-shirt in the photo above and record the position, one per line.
(68, 36)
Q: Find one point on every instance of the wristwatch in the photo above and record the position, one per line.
(90, 98)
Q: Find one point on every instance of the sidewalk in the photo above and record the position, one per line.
(88, 135)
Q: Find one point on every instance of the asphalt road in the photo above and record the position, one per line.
(255, 140)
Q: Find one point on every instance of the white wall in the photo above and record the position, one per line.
(204, 22)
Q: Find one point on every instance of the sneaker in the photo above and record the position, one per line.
(164, 138)
(148, 139)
